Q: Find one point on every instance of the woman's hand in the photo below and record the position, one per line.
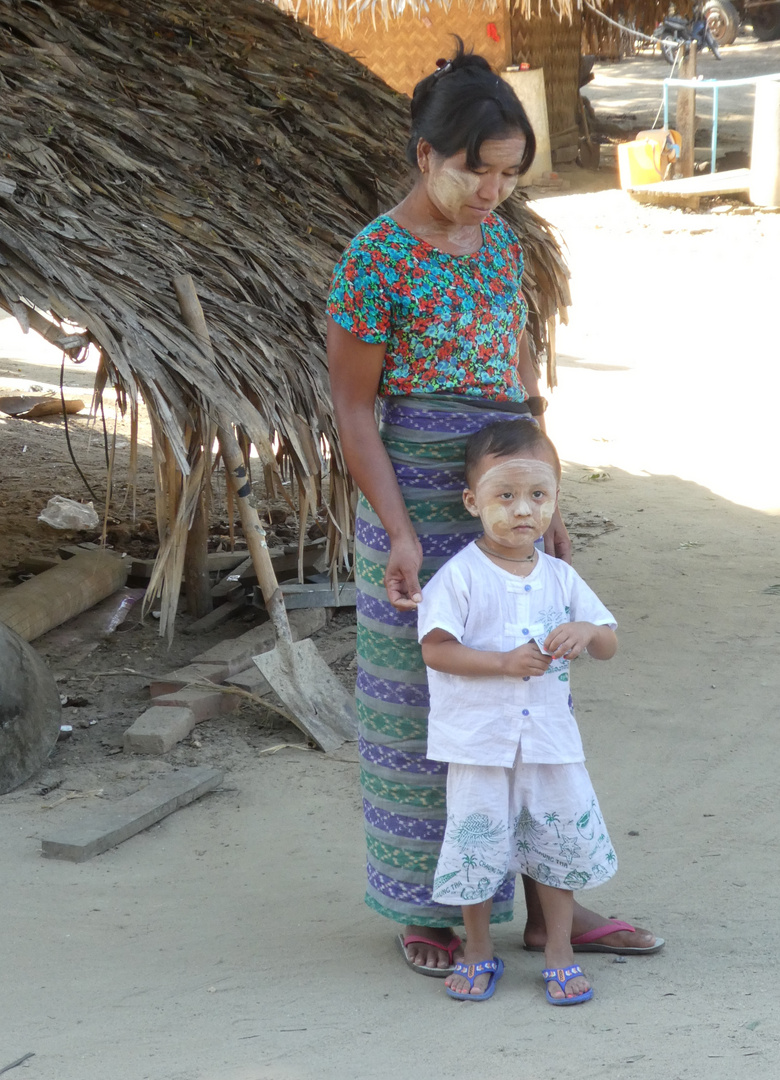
(401, 576)
(556, 539)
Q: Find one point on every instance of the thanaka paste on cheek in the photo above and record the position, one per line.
(452, 188)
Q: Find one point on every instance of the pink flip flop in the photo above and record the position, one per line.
(591, 941)
(421, 969)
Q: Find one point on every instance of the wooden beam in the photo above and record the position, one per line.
(686, 112)
(111, 823)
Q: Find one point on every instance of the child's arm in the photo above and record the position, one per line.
(570, 639)
(442, 652)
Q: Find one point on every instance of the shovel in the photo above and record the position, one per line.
(316, 701)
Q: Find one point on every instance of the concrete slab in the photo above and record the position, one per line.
(110, 824)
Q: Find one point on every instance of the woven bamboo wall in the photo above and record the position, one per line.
(407, 50)
(551, 43)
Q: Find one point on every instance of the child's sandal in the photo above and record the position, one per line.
(561, 976)
(470, 973)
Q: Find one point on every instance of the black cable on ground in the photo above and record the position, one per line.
(67, 431)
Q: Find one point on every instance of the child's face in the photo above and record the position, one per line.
(514, 497)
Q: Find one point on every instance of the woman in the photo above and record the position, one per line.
(426, 312)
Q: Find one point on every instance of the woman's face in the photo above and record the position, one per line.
(466, 196)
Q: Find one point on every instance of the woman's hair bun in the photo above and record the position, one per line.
(463, 103)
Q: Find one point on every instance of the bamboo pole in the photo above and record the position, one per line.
(197, 585)
(236, 470)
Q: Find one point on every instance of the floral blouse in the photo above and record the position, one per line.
(451, 323)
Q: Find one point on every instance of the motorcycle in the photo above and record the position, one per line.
(675, 31)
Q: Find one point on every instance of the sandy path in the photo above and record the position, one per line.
(231, 942)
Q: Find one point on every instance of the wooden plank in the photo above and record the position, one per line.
(112, 823)
(690, 190)
(216, 617)
(313, 595)
(230, 587)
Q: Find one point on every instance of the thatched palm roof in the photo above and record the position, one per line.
(144, 139)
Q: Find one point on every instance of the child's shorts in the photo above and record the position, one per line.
(539, 820)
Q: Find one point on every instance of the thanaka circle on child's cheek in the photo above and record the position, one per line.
(515, 499)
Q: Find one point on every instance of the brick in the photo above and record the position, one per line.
(111, 823)
(250, 679)
(158, 729)
(181, 677)
(205, 704)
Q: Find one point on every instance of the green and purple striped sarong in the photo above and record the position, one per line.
(403, 791)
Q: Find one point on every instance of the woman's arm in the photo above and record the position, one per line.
(355, 370)
(556, 539)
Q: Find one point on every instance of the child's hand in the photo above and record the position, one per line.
(570, 639)
(526, 660)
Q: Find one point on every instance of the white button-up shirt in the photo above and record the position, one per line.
(483, 720)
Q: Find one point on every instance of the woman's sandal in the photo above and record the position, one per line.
(470, 973)
(562, 976)
(423, 969)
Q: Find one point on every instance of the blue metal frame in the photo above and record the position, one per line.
(714, 85)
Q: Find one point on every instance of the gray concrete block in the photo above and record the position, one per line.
(109, 824)
(159, 728)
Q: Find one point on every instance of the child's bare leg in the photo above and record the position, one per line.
(479, 946)
(558, 910)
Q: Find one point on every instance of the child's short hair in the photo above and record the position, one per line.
(508, 438)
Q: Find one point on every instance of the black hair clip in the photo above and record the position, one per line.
(444, 66)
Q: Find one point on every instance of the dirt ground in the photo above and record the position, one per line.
(230, 942)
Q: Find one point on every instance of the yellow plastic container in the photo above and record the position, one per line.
(644, 161)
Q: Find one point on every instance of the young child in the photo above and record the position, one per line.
(499, 624)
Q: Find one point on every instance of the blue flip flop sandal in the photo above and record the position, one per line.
(471, 971)
(562, 976)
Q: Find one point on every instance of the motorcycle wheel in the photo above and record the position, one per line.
(722, 21)
(766, 22)
(669, 47)
(711, 44)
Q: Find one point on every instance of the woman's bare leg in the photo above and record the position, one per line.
(583, 920)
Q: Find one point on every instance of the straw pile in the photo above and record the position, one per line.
(141, 140)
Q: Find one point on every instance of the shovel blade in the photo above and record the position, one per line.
(315, 699)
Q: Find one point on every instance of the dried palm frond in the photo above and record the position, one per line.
(143, 140)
